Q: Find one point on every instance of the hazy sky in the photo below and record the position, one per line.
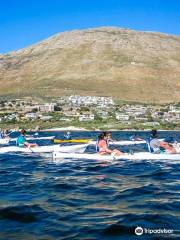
(24, 22)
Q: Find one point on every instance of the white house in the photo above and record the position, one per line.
(103, 114)
(122, 117)
(48, 107)
(87, 117)
(151, 124)
(46, 118)
(31, 116)
(141, 119)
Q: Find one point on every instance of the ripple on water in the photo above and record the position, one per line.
(24, 214)
(86, 199)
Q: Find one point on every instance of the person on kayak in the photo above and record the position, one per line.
(157, 146)
(67, 136)
(135, 137)
(169, 146)
(21, 141)
(1, 134)
(109, 138)
(103, 147)
(4, 134)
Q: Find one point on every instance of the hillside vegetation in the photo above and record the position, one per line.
(124, 64)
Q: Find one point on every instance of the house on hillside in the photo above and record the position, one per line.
(47, 107)
(31, 116)
(46, 118)
(103, 114)
(87, 117)
(122, 117)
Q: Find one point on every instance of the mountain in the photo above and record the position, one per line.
(106, 61)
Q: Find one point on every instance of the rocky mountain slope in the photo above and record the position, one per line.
(125, 64)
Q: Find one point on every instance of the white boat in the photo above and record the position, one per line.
(45, 149)
(95, 156)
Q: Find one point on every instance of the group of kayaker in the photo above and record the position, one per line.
(155, 145)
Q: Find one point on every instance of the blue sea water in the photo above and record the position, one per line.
(86, 199)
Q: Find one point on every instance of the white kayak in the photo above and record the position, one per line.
(80, 148)
(135, 156)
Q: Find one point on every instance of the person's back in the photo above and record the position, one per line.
(101, 144)
(21, 140)
(67, 136)
(155, 145)
(153, 142)
(103, 147)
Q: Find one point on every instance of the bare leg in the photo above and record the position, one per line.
(171, 150)
(116, 152)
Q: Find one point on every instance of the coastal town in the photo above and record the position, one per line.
(89, 111)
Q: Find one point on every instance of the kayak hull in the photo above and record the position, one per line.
(135, 156)
(45, 149)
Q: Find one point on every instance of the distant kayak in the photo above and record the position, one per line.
(71, 140)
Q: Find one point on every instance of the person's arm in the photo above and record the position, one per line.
(103, 146)
(26, 144)
(164, 145)
(108, 150)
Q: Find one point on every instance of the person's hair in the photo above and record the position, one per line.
(154, 133)
(107, 133)
(101, 136)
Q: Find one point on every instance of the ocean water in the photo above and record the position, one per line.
(86, 199)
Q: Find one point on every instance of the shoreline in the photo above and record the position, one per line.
(100, 130)
(83, 129)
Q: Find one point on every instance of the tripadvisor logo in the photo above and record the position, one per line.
(139, 231)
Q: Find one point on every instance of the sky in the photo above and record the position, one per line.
(25, 22)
